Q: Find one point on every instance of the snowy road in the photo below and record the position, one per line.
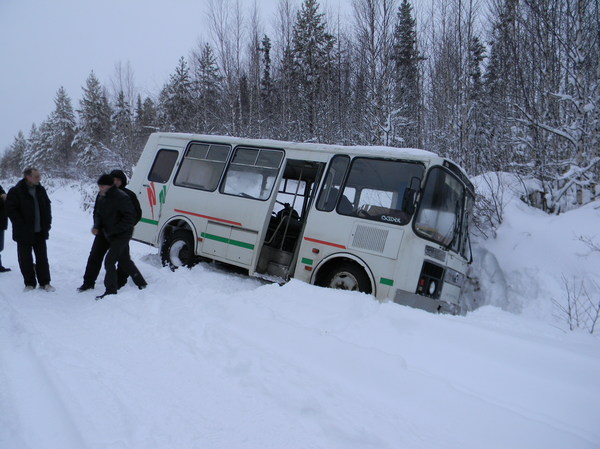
(204, 358)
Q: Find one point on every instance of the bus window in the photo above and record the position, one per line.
(331, 187)
(378, 187)
(440, 212)
(163, 166)
(252, 173)
(203, 166)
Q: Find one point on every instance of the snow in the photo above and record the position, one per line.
(209, 358)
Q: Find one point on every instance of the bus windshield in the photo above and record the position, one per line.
(442, 216)
(376, 189)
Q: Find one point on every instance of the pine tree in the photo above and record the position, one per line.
(123, 134)
(312, 53)
(95, 112)
(407, 79)
(207, 91)
(62, 122)
(11, 163)
(93, 135)
(266, 82)
(176, 104)
(145, 122)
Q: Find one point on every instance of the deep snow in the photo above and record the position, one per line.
(207, 358)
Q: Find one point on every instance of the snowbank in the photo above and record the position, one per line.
(207, 358)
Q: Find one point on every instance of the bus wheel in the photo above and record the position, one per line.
(347, 276)
(178, 250)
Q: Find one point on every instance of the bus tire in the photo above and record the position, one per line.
(346, 276)
(178, 250)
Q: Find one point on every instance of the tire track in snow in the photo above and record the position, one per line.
(42, 414)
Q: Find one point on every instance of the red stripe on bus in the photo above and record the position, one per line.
(206, 216)
(324, 243)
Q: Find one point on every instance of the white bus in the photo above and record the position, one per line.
(392, 222)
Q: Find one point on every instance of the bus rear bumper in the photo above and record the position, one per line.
(425, 303)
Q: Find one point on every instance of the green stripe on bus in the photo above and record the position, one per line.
(147, 220)
(228, 241)
(306, 261)
(385, 281)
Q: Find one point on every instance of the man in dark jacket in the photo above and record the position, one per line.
(114, 216)
(3, 226)
(28, 207)
(100, 245)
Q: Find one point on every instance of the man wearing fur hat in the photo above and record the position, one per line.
(115, 216)
(100, 245)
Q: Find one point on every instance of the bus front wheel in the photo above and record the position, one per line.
(346, 276)
(178, 250)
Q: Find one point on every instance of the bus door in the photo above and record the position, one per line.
(295, 194)
(153, 193)
(235, 219)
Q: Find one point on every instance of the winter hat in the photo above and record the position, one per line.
(106, 180)
(119, 174)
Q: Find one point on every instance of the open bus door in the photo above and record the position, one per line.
(295, 195)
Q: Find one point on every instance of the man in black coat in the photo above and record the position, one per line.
(28, 207)
(100, 245)
(114, 216)
(3, 226)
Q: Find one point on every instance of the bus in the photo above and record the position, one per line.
(391, 222)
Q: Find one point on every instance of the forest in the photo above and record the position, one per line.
(497, 86)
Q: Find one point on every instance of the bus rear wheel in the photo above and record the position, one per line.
(346, 276)
(178, 250)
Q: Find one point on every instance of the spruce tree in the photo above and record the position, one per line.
(11, 163)
(145, 122)
(312, 53)
(207, 90)
(123, 134)
(95, 112)
(407, 79)
(176, 104)
(93, 135)
(62, 122)
(266, 82)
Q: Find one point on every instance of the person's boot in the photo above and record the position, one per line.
(85, 287)
(4, 269)
(103, 295)
(139, 280)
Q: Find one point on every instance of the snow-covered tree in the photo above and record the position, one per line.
(206, 90)
(123, 137)
(11, 163)
(374, 45)
(93, 135)
(176, 102)
(62, 124)
(312, 57)
(408, 114)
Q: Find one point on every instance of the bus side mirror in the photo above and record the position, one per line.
(410, 196)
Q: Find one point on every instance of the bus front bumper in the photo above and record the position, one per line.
(425, 303)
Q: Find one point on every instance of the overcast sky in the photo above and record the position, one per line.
(45, 44)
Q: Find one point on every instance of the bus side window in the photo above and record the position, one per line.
(203, 166)
(252, 172)
(163, 166)
(333, 180)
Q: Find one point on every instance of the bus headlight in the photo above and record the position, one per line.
(432, 288)
(454, 277)
(430, 280)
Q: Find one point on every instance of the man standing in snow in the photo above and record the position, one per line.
(100, 245)
(115, 216)
(3, 226)
(28, 207)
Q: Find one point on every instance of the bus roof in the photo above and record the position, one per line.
(326, 148)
